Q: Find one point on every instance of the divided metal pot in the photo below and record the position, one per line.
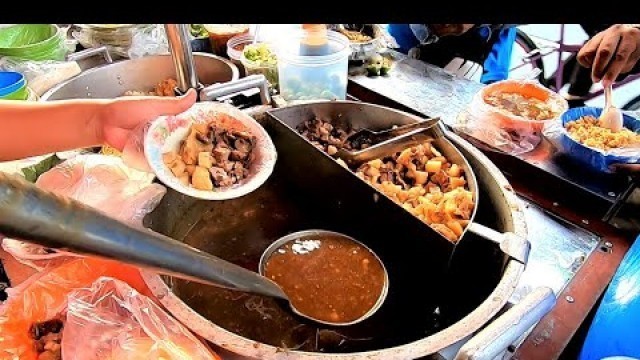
(468, 289)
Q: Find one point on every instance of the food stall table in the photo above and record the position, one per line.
(574, 251)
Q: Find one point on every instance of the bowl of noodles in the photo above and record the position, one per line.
(595, 147)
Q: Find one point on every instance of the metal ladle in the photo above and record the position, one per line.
(28, 212)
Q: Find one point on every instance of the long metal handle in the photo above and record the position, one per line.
(87, 53)
(28, 212)
(511, 244)
(180, 47)
(259, 81)
(508, 327)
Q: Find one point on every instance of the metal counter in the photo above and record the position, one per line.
(563, 207)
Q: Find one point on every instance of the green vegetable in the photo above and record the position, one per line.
(33, 172)
(198, 30)
(260, 54)
(373, 69)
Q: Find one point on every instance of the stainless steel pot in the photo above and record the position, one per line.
(142, 74)
(179, 219)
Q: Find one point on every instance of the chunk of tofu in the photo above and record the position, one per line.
(184, 179)
(421, 177)
(178, 167)
(454, 170)
(433, 166)
(169, 157)
(205, 159)
(201, 179)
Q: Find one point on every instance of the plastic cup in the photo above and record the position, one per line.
(313, 77)
(20, 94)
(219, 35)
(270, 71)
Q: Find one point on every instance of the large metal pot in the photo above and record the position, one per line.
(142, 74)
(482, 278)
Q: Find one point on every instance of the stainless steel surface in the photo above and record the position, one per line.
(180, 48)
(28, 212)
(500, 333)
(259, 81)
(142, 74)
(315, 234)
(87, 53)
(502, 212)
(558, 249)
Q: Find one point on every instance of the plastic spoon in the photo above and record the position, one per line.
(611, 116)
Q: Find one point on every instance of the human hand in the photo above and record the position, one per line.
(611, 52)
(121, 116)
(450, 29)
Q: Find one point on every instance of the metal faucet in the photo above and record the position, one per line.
(186, 76)
(180, 48)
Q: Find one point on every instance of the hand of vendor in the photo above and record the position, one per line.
(37, 128)
(631, 169)
(611, 52)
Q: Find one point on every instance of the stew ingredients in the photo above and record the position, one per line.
(212, 157)
(164, 88)
(330, 278)
(419, 178)
(48, 338)
(516, 104)
(587, 131)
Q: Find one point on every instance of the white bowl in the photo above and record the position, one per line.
(166, 132)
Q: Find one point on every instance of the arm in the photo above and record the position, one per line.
(612, 52)
(36, 128)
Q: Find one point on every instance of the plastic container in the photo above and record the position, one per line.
(269, 70)
(10, 82)
(219, 35)
(235, 45)
(593, 158)
(33, 42)
(509, 121)
(313, 77)
(118, 38)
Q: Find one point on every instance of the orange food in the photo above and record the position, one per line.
(44, 296)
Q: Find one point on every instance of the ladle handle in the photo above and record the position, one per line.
(508, 327)
(511, 244)
(30, 213)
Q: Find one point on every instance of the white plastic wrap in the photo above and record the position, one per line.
(151, 40)
(41, 75)
(502, 129)
(100, 181)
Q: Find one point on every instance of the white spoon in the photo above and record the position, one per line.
(611, 116)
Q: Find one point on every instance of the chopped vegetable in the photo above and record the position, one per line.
(33, 172)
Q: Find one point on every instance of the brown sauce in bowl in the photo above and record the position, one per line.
(329, 278)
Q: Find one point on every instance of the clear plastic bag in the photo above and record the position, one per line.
(148, 40)
(590, 157)
(43, 297)
(110, 320)
(502, 129)
(100, 181)
(41, 75)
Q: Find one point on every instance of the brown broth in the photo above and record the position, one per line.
(330, 278)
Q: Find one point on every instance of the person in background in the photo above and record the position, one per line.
(476, 51)
(37, 128)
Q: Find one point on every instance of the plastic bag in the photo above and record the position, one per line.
(592, 158)
(148, 40)
(110, 320)
(41, 75)
(504, 130)
(614, 330)
(100, 181)
(44, 297)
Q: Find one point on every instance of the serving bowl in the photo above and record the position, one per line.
(596, 159)
(166, 132)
